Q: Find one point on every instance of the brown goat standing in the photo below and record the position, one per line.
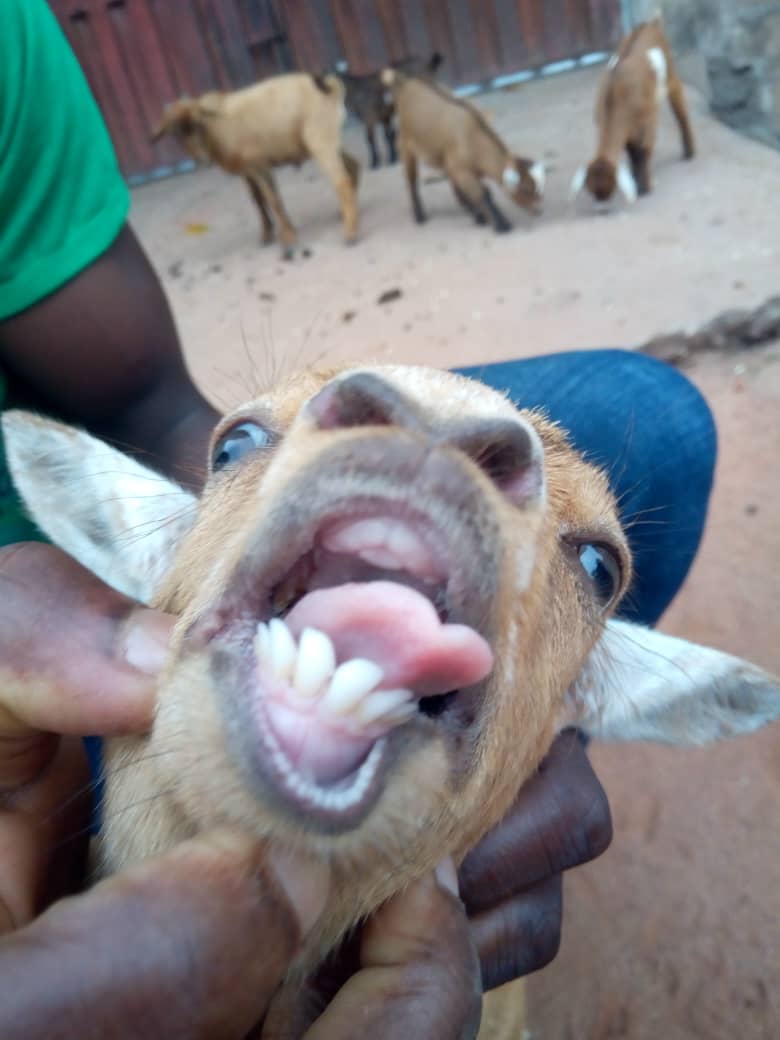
(639, 78)
(283, 120)
(451, 135)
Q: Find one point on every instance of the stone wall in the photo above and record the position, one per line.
(730, 49)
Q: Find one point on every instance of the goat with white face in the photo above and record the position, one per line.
(638, 79)
(395, 590)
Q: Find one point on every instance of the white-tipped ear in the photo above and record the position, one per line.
(510, 178)
(638, 684)
(578, 183)
(116, 517)
(538, 173)
(626, 183)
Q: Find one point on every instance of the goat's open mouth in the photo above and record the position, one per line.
(356, 647)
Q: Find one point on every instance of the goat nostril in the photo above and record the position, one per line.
(362, 399)
(509, 452)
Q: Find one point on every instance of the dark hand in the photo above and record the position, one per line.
(511, 883)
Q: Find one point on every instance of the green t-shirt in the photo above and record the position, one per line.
(62, 198)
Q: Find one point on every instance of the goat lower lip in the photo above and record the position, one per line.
(268, 772)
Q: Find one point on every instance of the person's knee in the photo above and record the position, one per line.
(674, 409)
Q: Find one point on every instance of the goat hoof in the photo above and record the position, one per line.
(267, 238)
(420, 217)
(288, 253)
(503, 229)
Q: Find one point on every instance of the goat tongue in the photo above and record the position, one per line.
(398, 629)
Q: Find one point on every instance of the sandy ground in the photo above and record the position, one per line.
(675, 933)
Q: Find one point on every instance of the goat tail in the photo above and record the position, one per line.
(389, 77)
(329, 84)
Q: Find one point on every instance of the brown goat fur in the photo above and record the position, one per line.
(283, 120)
(449, 134)
(512, 506)
(640, 76)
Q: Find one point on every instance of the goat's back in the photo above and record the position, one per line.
(631, 82)
(437, 125)
(275, 120)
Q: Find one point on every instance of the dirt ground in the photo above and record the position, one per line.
(675, 932)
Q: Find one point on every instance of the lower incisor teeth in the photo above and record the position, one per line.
(316, 662)
(283, 650)
(382, 703)
(309, 665)
(350, 684)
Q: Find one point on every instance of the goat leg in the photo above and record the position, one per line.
(371, 141)
(352, 167)
(640, 166)
(478, 197)
(267, 234)
(680, 109)
(392, 154)
(266, 183)
(410, 168)
(497, 218)
(342, 172)
(468, 205)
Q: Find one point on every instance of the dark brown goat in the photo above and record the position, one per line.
(372, 103)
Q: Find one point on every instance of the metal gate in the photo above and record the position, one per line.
(140, 54)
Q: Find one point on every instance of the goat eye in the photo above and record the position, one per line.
(602, 568)
(237, 442)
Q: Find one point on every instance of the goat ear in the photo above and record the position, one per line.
(119, 519)
(170, 117)
(160, 129)
(510, 178)
(639, 684)
(578, 182)
(626, 183)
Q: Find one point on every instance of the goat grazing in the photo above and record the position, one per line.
(283, 120)
(437, 128)
(638, 79)
(394, 592)
(370, 101)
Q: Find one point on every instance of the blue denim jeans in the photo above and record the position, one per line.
(651, 430)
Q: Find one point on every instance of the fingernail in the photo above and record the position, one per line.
(447, 876)
(147, 637)
(306, 883)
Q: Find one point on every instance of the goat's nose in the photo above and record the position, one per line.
(363, 399)
(510, 453)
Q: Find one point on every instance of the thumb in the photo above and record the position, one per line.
(418, 964)
(76, 656)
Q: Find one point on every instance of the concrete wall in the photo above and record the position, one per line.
(730, 49)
